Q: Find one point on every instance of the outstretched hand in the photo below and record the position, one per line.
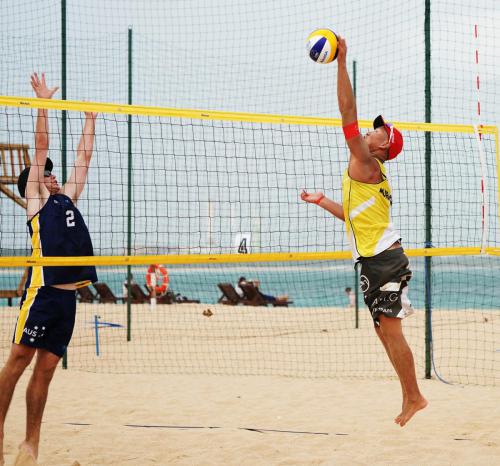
(341, 50)
(91, 115)
(40, 87)
(313, 198)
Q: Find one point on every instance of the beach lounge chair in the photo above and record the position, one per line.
(229, 295)
(104, 294)
(137, 294)
(252, 294)
(85, 295)
(18, 292)
(183, 299)
(167, 298)
(256, 298)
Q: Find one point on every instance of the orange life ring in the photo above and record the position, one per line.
(161, 278)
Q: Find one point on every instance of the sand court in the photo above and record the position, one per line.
(297, 342)
(257, 386)
(102, 419)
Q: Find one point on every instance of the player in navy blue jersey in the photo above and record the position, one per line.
(48, 305)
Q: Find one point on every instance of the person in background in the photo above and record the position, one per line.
(256, 284)
(237, 287)
(351, 297)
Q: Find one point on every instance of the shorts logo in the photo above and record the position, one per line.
(393, 297)
(36, 332)
(364, 283)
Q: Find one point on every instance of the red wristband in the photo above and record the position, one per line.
(320, 199)
(351, 130)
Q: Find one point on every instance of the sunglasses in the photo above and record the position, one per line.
(47, 173)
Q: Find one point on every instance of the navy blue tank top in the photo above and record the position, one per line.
(58, 229)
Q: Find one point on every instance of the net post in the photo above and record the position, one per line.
(129, 186)
(96, 325)
(484, 190)
(428, 194)
(497, 157)
(354, 77)
(63, 116)
(356, 294)
(356, 272)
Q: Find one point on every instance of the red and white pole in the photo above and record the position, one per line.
(478, 84)
(479, 137)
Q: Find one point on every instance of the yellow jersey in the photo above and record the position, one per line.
(367, 212)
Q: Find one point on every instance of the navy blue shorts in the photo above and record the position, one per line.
(46, 319)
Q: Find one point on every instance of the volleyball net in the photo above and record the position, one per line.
(214, 196)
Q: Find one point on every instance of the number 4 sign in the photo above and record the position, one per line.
(242, 243)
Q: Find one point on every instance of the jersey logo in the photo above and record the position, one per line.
(386, 194)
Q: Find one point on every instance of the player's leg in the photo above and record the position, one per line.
(402, 359)
(384, 343)
(36, 398)
(19, 358)
(52, 338)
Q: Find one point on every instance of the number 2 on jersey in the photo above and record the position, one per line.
(70, 218)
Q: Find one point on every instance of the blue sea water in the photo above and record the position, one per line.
(456, 282)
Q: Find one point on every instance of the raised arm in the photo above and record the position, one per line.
(319, 198)
(35, 187)
(362, 166)
(76, 182)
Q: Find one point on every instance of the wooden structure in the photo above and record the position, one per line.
(230, 295)
(104, 294)
(17, 293)
(85, 295)
(14, 158)
(137, 295)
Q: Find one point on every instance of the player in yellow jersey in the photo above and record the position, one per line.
(365, 208)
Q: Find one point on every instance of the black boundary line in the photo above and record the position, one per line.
(256, 429)
(250, 429)
(150, 426)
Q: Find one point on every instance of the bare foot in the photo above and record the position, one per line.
(29, 448)
(26, 456)
(397, 419)
(410, 409)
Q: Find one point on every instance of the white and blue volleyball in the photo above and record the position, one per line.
(322, 46)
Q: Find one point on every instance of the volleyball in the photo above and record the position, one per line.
(322, 46)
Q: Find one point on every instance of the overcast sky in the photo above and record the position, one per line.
(250, 56)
